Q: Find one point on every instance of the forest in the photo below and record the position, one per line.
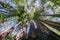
(29, 19)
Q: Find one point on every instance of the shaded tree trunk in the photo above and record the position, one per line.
(32, 32)
(41, 27)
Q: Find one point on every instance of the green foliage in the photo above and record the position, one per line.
(2, 16)
(51, 3)
(9, 37)
(43, 1)
(31, 14)
(34, 14)
(17, 12)
(5, 5)
(19, 2)
(56, 2)
(57, 15)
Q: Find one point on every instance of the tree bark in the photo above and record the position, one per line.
(51, 23)
(6, 32)
(41, 27)
(20, 33)
(53, 15)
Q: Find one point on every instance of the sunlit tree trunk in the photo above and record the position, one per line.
(6, 32)
(20, 33)
(56, 24)
(53, 15)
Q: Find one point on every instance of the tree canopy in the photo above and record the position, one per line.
(30, 19)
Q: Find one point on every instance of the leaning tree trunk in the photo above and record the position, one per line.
(4, 34)
(20, 33)
(55, 25)
(46, 32)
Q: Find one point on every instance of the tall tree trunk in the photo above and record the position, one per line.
(46, 33)
(33, 31)
(53, 15)
(51, 23)
(41, 27)
(20, 33)
(6, 32)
